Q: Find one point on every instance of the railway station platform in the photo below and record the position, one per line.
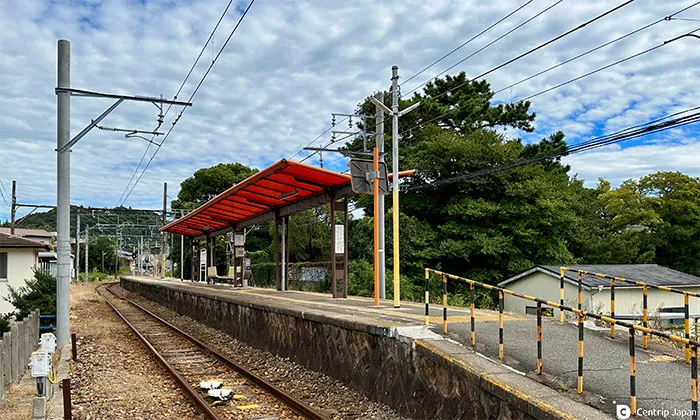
(389, 355)
(383, 352)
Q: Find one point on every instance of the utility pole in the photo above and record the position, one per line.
(64, 143)
(379, 130)
(13, 211)
(87, 252)
(77, 244)
(141, 256)
(395, 114)
(63, 195)
(165, 211)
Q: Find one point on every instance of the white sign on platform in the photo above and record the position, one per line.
(339, 239)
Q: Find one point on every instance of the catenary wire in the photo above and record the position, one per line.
(525, 22)
(233, 31)
(182, 85)
(620, 136)
(493, 25)
(457, 107)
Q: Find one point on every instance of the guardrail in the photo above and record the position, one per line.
(645, 310)
(632, 329)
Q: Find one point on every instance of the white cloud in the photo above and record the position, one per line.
(293, 63)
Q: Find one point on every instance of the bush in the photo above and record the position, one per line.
(5, 322)
(38, 293)
(360, 278)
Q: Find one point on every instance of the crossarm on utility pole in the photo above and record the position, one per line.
(383, 107)
(90, 126)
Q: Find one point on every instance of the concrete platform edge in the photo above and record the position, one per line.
(442, 372)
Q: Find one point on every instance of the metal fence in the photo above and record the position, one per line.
(645, 310)
(582, 315)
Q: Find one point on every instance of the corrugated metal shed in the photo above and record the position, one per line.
(649, 273)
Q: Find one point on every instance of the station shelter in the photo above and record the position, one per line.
(273, 194)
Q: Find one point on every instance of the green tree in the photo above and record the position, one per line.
(658, 217)
(196, 190)
(38, 293)
(206, 183)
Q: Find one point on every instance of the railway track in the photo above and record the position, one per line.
(190, 361)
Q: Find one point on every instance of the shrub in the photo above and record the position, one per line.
(5, 322)
(38, 293)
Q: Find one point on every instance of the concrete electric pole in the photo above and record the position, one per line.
(379, 130)
(395, 114)
(64, 144)
(63, 195)
(13, 211)
(77, 244)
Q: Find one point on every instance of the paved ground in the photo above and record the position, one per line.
(663, 381)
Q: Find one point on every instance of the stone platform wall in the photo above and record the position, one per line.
(406, 374)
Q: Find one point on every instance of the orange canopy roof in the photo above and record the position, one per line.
(279, 185)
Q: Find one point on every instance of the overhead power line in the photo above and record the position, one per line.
(493, 25)
(636, 31)
(590, 73)
(194, 92)
(182, 85)
(2, 194)
(606, 140)
(539, 47)
(525, 22)
(457, 107)
(512, 60)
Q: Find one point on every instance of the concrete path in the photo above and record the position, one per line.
(663, 380)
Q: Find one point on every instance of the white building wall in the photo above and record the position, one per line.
(20, 263)
(628, 300)
(546, 287)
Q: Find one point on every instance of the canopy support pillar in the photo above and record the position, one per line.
(339, 248)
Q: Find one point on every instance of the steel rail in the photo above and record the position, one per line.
(295, 404)
(189, 390)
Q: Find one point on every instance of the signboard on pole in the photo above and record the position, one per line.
(339, 239)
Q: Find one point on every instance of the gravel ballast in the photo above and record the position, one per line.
(327, 394)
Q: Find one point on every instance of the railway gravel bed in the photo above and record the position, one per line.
(114, 376)
(329, 395)
(195, 364)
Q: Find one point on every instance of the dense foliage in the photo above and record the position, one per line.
(495, 225)
(37, 293)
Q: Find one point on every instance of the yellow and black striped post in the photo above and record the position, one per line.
(500, 324)
(694, 382)
(471, 288)
(561, 293)
(686, 327)
(580, 295)
(612, 306)
(444, 304)
(539, 338)
(633, 374)
(645, 317)
(427, 298)
(579, 386)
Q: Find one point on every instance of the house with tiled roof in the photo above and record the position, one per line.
(39, 235)
(18, 258)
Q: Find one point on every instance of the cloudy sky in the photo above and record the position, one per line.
(292, 63)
